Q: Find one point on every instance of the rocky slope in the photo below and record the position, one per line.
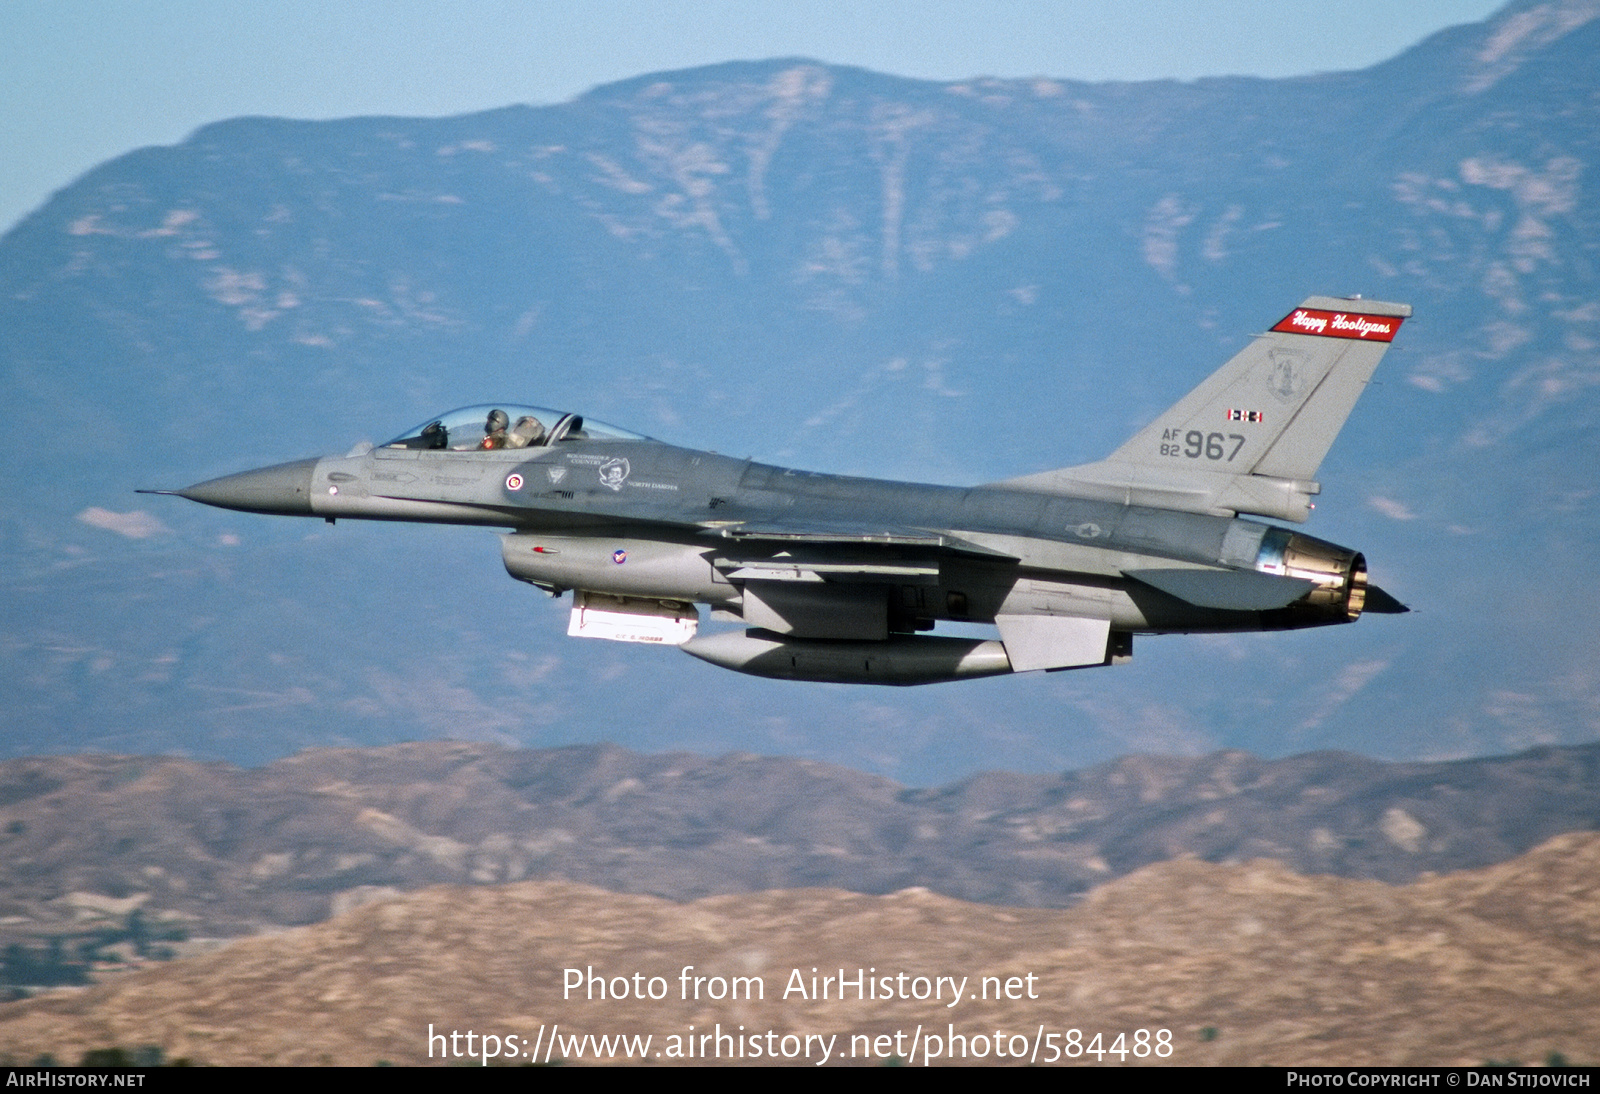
(1240, 964)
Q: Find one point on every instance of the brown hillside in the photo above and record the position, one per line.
(1490, 964)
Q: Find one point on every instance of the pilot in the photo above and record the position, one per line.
(494, 429)
(528, 432)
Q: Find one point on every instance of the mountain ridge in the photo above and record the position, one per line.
(219, 851)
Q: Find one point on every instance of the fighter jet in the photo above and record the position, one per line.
(838, 579)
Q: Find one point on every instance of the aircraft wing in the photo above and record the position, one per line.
(851, 534)
(824, 580)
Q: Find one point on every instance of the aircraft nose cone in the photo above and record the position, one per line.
(284, 490)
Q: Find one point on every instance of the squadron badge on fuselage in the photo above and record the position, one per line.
(614, 473)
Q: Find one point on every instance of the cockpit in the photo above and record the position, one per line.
(505, 425)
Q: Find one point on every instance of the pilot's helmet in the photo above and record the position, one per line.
(498, 420)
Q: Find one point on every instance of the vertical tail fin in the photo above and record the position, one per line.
(1251, 437)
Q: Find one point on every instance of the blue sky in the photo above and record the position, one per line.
(86, 80)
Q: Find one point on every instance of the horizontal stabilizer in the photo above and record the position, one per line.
(1230, 590)
(1381, 603)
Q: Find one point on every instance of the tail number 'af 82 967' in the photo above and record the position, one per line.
(1194, 444)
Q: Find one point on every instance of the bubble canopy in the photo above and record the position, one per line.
(505, 425)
